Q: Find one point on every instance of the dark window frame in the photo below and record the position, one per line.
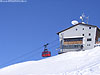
(88, 44)
(89, 27)
(89, 39)
(89, 34)
(72, 39)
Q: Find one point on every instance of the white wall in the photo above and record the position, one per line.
(73, 32)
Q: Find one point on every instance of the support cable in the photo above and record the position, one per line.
(37, 50)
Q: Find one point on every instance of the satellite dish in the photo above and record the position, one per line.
(83, 22)
(74, 22)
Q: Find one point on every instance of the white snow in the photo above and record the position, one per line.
(71, 63)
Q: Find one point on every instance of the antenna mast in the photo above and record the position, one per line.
(87, 19)
(84, 18)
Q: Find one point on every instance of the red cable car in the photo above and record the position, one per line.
(46, 53)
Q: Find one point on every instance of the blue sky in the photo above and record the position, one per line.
(27, 26)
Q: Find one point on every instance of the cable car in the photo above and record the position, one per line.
(46, 53)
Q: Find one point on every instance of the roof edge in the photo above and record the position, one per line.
(76, 25)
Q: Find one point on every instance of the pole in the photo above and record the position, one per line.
(62, 41)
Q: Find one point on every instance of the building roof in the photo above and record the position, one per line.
(78, 24)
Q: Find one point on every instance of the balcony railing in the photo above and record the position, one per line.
(97, 42)
(77, 46)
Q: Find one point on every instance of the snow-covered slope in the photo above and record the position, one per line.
(72, 63)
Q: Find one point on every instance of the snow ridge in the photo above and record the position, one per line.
(71, 63)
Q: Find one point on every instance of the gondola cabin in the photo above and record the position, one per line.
(46, 53)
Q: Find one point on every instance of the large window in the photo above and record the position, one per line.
(72, 39)
(72, 46)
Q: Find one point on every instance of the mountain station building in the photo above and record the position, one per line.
(78, 37)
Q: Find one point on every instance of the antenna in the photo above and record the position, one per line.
(84, 18)
(87, 19)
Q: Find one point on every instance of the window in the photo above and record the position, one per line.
(89, 27)
(98, 39)
(82, 34)
(89, 39)
(88, 44)
(72, 46)
(89, 34)
(83, 28)
(72, 39)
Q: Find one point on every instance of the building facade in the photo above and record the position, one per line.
(79, 37)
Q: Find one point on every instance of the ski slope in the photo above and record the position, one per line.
(71, 63)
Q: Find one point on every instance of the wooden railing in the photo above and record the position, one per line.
(73, 42)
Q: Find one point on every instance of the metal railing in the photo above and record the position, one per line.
(77, 46)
